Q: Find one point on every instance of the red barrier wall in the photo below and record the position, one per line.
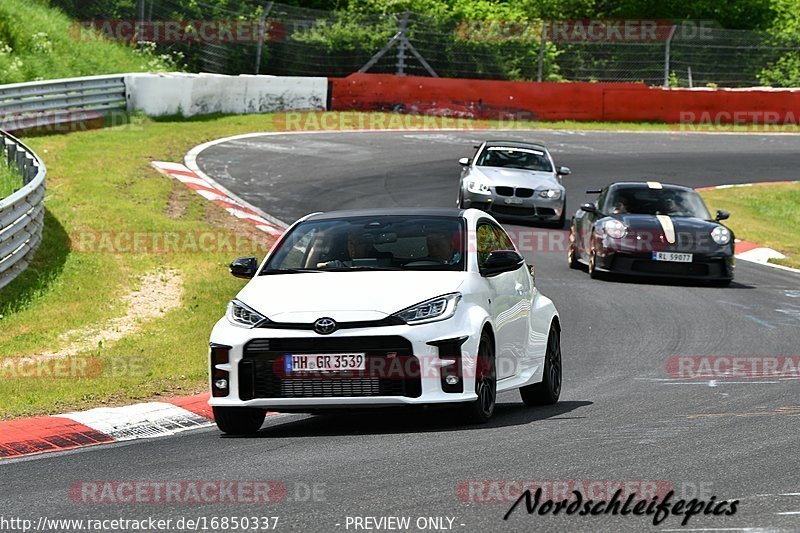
(627, 102)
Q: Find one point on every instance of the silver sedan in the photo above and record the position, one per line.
(515, 181)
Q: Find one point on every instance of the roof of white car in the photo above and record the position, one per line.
(393, 211)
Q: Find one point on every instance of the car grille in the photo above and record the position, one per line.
(391, 369)
(513, 210)
(519, 192)
(667, 268)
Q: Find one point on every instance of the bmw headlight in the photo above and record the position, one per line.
(721, 235)
(550, 194)
(241, 315)
(614, 228)
(478, 187)
(439, 308)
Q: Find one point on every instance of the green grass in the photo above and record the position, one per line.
(766, 214)
(40, 42)
(10, 179)
(102, 181)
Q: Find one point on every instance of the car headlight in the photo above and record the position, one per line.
(721, 235)
(478, 187)
(241, 315)
(439, 308)
(551, 194)
(614, 228)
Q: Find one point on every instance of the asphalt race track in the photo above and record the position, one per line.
(622, 415)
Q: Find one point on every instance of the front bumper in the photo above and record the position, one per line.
(716, 264)
(402, 367)
(533, 209)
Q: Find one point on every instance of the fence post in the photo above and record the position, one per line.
(541, 51)
(261, 31)
(666, 55)
(401, 45)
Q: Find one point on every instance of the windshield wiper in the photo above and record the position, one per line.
(288, 271)
(356, 268)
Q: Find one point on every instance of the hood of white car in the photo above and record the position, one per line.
(514, 177)
(344, 296)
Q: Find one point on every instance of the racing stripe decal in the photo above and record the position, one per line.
(669, 229)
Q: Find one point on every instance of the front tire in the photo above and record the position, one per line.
(239, 420)
(593, 272)
(548, 391)
(482, 409)
(572, 252)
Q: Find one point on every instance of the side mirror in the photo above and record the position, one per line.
(722, 215)
(464, 161)
(590, 208)
(244, 267)
(501, 261)
(563, 171)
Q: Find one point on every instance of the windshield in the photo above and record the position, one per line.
(510, 157)
(646, 201)
(371, 243)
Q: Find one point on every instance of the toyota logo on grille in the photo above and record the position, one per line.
(323, 326)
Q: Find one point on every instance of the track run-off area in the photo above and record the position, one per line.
(625, 415)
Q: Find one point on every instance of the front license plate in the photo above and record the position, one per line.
(325, 362)
(672, 256)
(514, 201)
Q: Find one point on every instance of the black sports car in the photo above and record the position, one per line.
(651, 229)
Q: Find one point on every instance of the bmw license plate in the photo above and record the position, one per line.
(325, 362)
(672, 256)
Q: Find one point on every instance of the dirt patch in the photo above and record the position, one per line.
(158, 292)
(178, 201)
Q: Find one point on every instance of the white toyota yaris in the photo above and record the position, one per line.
(384, 308)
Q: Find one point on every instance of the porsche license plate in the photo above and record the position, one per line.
(325, 362)
(672, 256)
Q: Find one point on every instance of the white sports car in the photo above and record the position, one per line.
(384, 308)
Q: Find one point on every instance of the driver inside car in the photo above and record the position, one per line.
(440, 246)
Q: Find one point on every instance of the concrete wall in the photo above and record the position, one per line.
(201, 94)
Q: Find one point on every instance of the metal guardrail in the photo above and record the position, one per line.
(22, 213)
(48, 104)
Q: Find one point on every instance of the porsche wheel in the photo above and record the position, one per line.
(572, 252)
(593, 272)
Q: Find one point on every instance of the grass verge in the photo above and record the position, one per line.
(102, 190)
(766, 214)
(10, 179)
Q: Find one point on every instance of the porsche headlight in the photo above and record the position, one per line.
(478, 187)
(241, 315)
(721, 235)
(550, 194)
(614, 228)
(439, 308)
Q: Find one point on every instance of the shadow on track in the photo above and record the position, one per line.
(387, 421)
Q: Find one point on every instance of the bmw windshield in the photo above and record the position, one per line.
(371, 243)
(511, 157)
(647, 201)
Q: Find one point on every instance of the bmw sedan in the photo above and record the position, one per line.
(651, 229)
(514, 181)
(384, 308)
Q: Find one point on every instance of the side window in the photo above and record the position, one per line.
(486, 238)
(504, 242)
(601, 200)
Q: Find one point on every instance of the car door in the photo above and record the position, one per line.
(510, 294)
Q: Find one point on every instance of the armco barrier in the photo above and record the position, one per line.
(624, 102)
(22, 213)
(51, 104)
